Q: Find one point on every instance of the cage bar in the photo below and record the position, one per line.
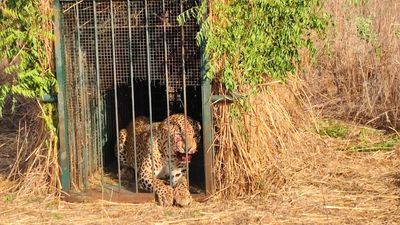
(164, 21)
(206, 97)
(132, 95)
(99, 121)
(62, 96)
(115, 90)
(146, 5)
(83, 97)
(184, 88)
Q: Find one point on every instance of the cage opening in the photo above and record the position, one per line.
(159, 112)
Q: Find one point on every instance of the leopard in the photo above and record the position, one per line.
(168, 152)
(181, 193)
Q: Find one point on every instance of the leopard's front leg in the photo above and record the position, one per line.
(164, 194)
(146, 173)
(182, 195)
(148, 181)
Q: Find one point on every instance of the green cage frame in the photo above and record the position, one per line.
(63, 117)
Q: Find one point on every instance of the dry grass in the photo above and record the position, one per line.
(28, 157)
(356, 76)
(254, 142)
(331, 188)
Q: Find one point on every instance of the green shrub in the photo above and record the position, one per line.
(365, 30)
(358, 2)
(25, 31)
(250, 40)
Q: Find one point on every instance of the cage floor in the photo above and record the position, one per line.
(93, 195)
(105, 186)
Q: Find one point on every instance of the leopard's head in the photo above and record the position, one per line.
(184, 134)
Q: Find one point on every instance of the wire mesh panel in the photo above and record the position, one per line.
(123, 59)
(156, 21)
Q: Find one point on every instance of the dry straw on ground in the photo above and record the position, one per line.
(328, 187)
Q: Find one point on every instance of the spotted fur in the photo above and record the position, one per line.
(164, 194)
(125, 139)
(182, 195)
(178, 129)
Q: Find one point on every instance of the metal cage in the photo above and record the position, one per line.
(118, 59)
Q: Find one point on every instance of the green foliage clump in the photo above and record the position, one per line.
(333, 128)
(24, 35)
(250, 40)
(358, 2)
(397, 34)
(365, 30)
(9, 198)
(356, 139)
(374, 140)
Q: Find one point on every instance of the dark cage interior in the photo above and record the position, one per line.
(120, 54)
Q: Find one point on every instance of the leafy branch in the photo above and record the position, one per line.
(251, 40)
(24, 35)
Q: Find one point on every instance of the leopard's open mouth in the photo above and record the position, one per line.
(183, 158)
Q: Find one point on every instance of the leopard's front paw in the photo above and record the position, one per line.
(164, 194)
(182, 195)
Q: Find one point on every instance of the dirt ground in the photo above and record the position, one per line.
(346, 188)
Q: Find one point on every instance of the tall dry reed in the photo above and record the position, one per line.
(252, 148)
(357, 71)
(28, 155)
